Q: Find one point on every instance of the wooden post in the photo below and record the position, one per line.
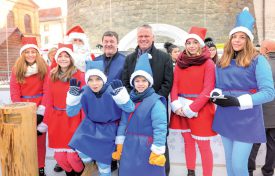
(18, 139)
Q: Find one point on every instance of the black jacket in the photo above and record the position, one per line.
(162, 68)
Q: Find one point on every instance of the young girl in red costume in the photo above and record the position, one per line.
(61, 127)
(194, 79)
(28, 83)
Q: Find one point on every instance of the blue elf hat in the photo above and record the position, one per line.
(95, 68)
(143, 68)
(244, 23)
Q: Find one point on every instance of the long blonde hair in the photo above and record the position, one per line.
(20, 67)
(244, 57)
(57, 74)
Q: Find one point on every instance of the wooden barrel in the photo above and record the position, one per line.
(18, 139)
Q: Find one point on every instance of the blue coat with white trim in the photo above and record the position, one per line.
(255, 80)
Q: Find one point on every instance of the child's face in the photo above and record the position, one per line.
(192, 46)
(30, 55)
(141, 84)
(95, 83)
(64, 60)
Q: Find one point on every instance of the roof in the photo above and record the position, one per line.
(5, 33)
(50, 14)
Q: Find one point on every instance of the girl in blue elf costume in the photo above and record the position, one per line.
(142, 133)
(95, 136)
(243, 83)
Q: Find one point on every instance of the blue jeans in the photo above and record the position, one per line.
(104, 169)
(236, 156)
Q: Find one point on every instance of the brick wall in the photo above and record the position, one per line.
(97, 16)
(11, 50)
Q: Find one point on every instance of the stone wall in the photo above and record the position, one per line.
(97, 16)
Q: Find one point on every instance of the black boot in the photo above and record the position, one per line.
(72, 173)
(191, 173)
(113, 165)
(41, 171)
(57, 168)
(79, 173)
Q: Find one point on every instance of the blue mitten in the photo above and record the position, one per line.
(117, 86)
(75, 87)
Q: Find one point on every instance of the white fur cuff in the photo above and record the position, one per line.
(120, 139)
(188, 112)
(245, 102)
(158, 150)
(42, 127)
(219, 91)
(175, 105)
(122, 97)
(40, 110)
(72, 100)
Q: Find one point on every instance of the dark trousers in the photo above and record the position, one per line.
(167, 164)
(268, 168)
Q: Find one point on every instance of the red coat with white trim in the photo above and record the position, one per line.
(194, 83)
(32, 86)
(61, 127)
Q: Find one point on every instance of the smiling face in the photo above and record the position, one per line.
(64, 60)
(95, 83)
(30, 55)
(109, 45)
(192, 46)
(238, 41)
(141, 83)
(213, 52)
(145, 38)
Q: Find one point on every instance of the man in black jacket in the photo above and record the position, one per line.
(161, 65)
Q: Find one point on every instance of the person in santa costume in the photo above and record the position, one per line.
(61, 127)
(243, 83)
(28, 83)
(141, 135)
(81, 45)
(194, 78)
(95, 137)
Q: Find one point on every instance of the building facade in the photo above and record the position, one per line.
(97, 16)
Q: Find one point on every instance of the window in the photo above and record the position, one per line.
(10, 20)
(46, 39)
(27, 22)
(46, 28)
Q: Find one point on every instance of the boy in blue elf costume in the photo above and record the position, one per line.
(141, 134)
(95, 136)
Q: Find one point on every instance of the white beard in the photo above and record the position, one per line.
(82, 54)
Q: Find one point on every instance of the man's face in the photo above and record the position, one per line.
(77, 41)
(109, 45)
(145, 38)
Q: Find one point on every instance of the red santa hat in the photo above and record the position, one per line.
(197, 33)
(77, 32)
(64, 47)
(29, 42)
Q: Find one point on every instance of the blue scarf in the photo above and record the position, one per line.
(138, 97)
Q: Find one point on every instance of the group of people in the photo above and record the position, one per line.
(113, 107)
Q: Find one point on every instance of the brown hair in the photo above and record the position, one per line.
(21, 65)
(110, 34)
(57, 74)
(244, 57)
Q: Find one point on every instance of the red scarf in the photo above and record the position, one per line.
(185, 61)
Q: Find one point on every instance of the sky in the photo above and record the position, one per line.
(44, 4)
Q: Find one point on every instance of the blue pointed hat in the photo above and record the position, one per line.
(95, 68)
(244, 23)
(143, 68)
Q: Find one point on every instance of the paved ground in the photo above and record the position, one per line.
(176, 170)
